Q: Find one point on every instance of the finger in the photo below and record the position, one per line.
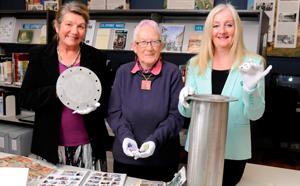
(185, 104)
(97, 104)
(267, 70)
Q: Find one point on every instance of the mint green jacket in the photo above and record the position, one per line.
(250, 106)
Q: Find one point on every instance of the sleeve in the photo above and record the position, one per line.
(171, 126)
(119, 125)
(190, 81)
(254, 100)
(33, 93)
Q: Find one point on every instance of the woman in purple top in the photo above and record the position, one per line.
(62, 135)
(143, 110)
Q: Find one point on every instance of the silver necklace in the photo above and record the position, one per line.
(67, 65)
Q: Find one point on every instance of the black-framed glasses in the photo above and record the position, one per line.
(144, 44)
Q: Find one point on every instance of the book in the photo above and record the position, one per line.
(7, 25)
(19, 66)
(172, 36)
(194, 43)
(120, 38)
(25, 36)
(89, 35)
(22, 67)
(3, 59)
(102, 38)
(43, 36)
(9, 72)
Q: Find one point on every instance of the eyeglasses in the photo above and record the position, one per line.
(144, 44)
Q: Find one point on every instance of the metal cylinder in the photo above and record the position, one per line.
(207, 139)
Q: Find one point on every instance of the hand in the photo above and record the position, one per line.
(129, 147)
(186, 91)
(252, 74)
(146, 150)
(88, 110)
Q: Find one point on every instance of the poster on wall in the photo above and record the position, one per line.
(286, 24)
(286, 40)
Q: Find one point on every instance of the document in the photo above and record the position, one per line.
(8, 176)
(102, 38)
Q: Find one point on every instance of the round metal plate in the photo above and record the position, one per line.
(78, 88)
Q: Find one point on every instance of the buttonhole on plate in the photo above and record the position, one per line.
(68, 103)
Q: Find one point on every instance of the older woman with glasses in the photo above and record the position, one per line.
(143, 110)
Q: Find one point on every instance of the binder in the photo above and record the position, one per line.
(20, 141)
(4, 133)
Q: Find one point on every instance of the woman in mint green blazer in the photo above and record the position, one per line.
(219, 69)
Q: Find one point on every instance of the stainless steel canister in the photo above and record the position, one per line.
(207, 139)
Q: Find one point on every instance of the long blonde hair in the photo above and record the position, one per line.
(237, 51)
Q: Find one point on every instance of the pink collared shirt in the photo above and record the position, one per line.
(155, 71)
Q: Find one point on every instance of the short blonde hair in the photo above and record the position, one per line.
(237, 51)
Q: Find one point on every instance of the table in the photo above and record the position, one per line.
(254, 175)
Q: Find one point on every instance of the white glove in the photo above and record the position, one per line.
(186, 91)
(129, 147)
(88, 110)
(252, 74)
(146, 150)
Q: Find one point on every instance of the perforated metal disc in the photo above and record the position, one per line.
(78, 88)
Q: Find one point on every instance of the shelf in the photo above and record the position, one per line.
(15, 118)
(9, 85)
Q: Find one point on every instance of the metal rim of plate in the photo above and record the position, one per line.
(78, 88)
(211, 98)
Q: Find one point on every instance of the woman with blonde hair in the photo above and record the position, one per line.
(224, 66)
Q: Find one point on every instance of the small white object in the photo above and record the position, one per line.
(78, 88)
(246, 65)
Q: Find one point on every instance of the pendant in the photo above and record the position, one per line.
(146, 85)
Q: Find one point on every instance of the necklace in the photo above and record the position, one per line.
(67, 65)
(146, 85)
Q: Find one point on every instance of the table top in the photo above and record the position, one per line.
(254, 175)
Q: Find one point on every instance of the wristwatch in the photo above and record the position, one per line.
(246, 66)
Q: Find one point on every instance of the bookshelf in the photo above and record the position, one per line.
(255, 27)
(24, 17)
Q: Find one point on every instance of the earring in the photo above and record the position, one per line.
(160, 58)
(135, 57)
(57, 38)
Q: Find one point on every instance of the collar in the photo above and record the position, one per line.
(154, 71)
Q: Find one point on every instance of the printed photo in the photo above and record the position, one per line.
(51, 5)
(285, 39)
(287, 17)
(35, 7)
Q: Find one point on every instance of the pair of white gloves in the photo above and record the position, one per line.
(251, 75)
(130, 148)
(88, 110)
